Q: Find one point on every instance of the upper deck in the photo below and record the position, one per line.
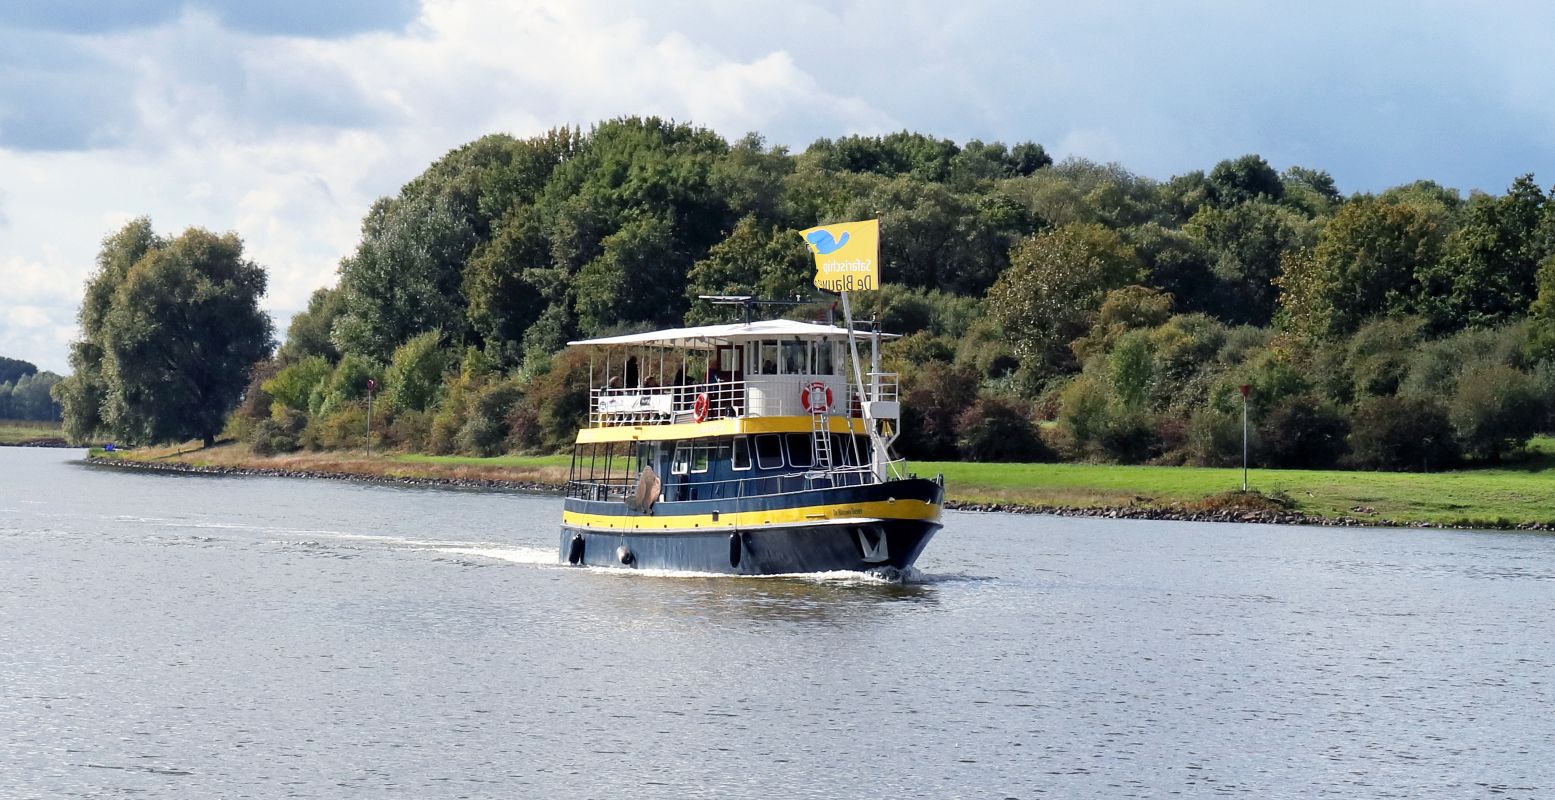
(708, 374)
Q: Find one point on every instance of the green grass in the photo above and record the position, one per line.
(1512, 494)
(534, 462)
(18, 431)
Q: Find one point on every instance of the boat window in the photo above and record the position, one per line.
(799, 450)
(794, 357)
(823, 358)
(769, 358)
(682, 459)
(769, 451)
(700, 456)
(742, 453)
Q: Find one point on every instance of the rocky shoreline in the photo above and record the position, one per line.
(52, 441)
(1174, 513)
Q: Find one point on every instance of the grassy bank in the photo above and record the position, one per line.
(15, 432)
(1514, 494)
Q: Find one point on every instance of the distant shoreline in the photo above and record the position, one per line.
(1254, 516)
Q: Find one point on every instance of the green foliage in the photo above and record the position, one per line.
(1488, 271)
(1302, 432)
(1243, 180)
(755, 259)
(14, 369)
(1126, 309)
(415, 373)
(293, 386)
(346, 384)
(1496, 409)
(999, 428)
(1402, 434)
(1246, 244)
(1131, 368)
(310, 330)
(170, 330)
(30, 397)
(1541, 314)
(931, 404)
(1050, 294)
(281, 433)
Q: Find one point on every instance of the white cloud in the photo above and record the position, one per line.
(194, 120)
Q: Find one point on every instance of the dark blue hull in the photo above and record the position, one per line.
(874, 527)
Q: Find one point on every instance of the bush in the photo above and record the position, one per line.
(1300, 432)
(409, 431)
(281, 433)
(524, 432)
(1496, 409)
(347, 384)
(485, 428)
(1402, 433)
(293, 386)
(933, 400)
(997, 428)
(1128, 435)
(343, 428)
(1215, 438)
(415, 373)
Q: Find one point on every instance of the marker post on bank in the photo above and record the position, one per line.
(1244, 389)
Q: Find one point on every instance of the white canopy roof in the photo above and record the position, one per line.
(705, 337)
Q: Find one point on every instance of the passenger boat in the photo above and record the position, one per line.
(744, 449)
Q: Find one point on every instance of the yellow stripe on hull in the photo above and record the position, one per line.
(872, 510)
(717, 427)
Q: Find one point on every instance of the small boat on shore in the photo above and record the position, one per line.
(744, 449)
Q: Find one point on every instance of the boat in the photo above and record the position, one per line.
(748, 448)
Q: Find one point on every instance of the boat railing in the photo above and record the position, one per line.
(754, 486)
(702, 402)
(885, 386)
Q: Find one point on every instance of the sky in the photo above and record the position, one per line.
(284, 120)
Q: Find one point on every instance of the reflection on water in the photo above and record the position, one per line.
(196, 636)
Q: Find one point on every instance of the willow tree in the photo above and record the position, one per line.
(170, 331)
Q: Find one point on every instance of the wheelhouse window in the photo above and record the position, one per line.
(701, 455)
(742, 454)
(795, 356)
(769, 451)
(766, 358)
(823, 358)
(682, 463)
(800, 453)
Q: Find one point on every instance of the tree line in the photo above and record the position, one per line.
(1051, 310)
(25, 392)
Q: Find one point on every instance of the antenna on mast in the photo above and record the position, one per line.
(748, 302)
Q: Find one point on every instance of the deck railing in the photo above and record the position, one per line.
(755, 486)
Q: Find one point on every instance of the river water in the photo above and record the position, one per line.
(191, 636)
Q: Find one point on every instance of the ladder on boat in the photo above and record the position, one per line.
(820, 433)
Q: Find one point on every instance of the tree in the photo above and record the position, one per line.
(83, 394)
(174, 335)
(1541, 314)
(14, 369)
(1488, 271)
(1054, 286)
(415, 373)
(1495, 409)
(1246, 244)
(405, 277)
(310, 330)
(1243, 180)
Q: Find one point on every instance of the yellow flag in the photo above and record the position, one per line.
(847, 255)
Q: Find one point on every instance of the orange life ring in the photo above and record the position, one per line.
(813, 395)
(700, 407)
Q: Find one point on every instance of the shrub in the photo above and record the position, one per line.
(1402, 433)
(1495, 409)
(998, 428)
(293, 386)
(410, 431)
(255, 406)
(1128, 435)
(415, 373)
(524, 432)
(485, 428)
(1303, 433)
(348, 383)
(343, 428)
(281, 433)
(1215, 438)
(931, 403)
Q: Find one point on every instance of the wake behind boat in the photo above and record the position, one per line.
(744, 449)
